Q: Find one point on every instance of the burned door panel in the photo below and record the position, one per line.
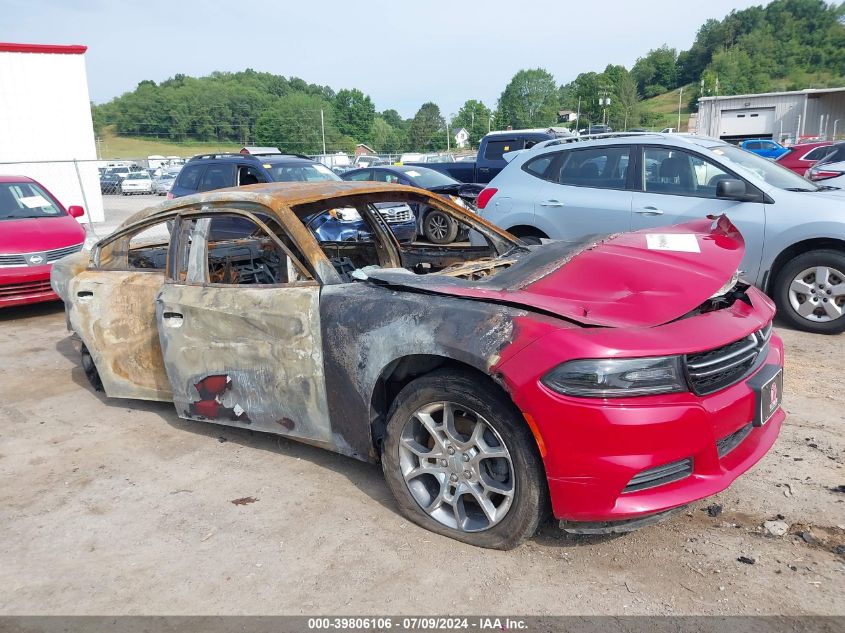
(113, 312)
(367, 327)
(248, 357)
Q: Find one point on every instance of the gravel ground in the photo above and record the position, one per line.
(119, 507)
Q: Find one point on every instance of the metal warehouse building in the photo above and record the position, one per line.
(783, 116)
(45, 122)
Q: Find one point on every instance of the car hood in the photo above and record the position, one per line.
(39, 234)
(640, 279)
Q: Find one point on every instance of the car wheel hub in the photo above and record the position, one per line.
(818, 294)
(456, 467)
(438, 226)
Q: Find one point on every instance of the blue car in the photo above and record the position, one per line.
(208, 172)
(764, 148)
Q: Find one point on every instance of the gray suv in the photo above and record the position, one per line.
(794, 229)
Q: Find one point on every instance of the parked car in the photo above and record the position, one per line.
(830, 170)
(799, 158)
(207, 172)
(490, 160)
(794, 229)
(669, 130)
(35, 231)
(436, 226)
(764, 148)
(163, 183)
(110, 182)
(613, 380)
(597, 129)
(137, 182)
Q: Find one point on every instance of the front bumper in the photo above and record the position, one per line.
(19, 286)
(593, 447)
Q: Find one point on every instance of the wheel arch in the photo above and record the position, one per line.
(795, 249)
(526, 230)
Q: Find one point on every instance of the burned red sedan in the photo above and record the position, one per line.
(35, 231)
(610, 381)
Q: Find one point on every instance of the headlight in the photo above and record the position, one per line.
(730, 283)
(617, 378)
(345, 214)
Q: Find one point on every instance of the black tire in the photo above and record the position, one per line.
(90, 369)
(780, 291)
(439, 228)
(530, 500)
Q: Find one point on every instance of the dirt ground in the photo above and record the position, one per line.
(119, 507)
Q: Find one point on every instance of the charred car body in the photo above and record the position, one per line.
(612, 380)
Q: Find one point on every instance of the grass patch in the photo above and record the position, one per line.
(112, 146)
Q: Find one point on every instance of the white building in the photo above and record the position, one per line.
(782, 116)
(45, 122)
(461, 138)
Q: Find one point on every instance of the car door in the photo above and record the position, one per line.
(675, 186)
(240, 332)
(585, 192)
(112, 310)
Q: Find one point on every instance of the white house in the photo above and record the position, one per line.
(461, 138)
(45, 122)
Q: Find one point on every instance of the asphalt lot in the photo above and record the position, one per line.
(119, 507)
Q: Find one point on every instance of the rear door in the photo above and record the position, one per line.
(240, 331)
(677, 186)
(111, 307)
(585, 192)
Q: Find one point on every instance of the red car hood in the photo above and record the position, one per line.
(640, 279)
(39, 234)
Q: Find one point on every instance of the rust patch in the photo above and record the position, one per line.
(287, 423)
(244, 501)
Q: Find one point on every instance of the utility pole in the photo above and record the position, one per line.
(448, 141)
(323, 130)
(680, 95)
(578, 116)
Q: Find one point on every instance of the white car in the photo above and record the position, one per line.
(137, 182)
(830, 170)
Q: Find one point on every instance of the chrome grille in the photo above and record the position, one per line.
(395, 215)
(660, 475)
(718, 368)
(20, 259)
(25, 289)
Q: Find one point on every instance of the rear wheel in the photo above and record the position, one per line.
(439, 228)
(90, 369)
(460, 461)
(810, 292)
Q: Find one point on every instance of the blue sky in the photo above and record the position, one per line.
(401, 53)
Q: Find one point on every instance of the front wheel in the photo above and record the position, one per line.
(439, 228)
(461, 462)
(810, 292)
(90, 369)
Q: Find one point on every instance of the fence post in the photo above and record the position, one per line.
(89, 225)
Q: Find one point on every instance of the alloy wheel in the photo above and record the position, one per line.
(438, 225)
(456, 467)
(818, 294)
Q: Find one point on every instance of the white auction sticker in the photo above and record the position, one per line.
(413, 174)
(34, 202)
(682, 242)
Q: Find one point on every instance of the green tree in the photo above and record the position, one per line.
(475, 117)
(427, 131)
(386, 138)
(657, 72)
(529, 100)
(354, 114)
(629, 98)
(293, 125)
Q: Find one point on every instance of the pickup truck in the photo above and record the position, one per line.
(490, 160)
(764, 148)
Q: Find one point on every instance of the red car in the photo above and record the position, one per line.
(610, 380)
(801, 157)
(35, 231)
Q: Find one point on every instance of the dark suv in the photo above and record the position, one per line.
(207, 172)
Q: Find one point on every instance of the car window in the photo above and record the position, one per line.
(189, 177)
(427, 178)
(384, 176)
(817, 153)
(600, 167)
(26, 200)
(672, 171)
(232, 249)
(364, 174)
(249, 175)
(767, 145)
(217, 177)
(753, 145)
(142, 249)
(770, 171)
(301, 172)
(496, 149)
(539, 166)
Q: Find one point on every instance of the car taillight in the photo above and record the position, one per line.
(823, 174)
(169, 196)
(484, 197)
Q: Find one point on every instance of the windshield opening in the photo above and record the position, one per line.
(19, 200)
(773, 173)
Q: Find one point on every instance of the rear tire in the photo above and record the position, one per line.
(810, 292)
(439, 228)
(488, 487)
(90, 369)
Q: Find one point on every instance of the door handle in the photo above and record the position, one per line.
(649, 211)
(551, 203)
(83, 294)
(172, 319)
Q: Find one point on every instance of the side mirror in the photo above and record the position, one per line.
(734, 189)
(75, 211)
